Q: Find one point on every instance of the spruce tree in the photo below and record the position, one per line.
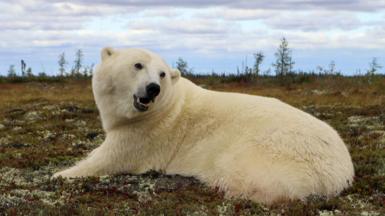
(284, 62)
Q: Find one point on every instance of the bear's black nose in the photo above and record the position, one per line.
(152, 90)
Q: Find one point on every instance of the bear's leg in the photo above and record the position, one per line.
(263, 178)
(99, 162)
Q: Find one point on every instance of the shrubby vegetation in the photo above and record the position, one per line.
(78, 71)
(283, 67)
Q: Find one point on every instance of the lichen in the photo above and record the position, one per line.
(42, 135)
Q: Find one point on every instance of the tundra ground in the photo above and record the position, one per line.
(45, 127)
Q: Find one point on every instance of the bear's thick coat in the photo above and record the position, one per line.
(252, 147)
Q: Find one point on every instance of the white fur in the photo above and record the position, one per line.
(250, 146)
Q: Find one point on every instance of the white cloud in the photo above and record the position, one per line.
(212, 28)
(347, 5)
(314, 21)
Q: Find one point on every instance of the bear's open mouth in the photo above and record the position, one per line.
(141, 104)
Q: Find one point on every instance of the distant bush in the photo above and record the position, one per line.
(40, 78)
(287, 79)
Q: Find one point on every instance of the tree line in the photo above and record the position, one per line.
(283, 67)
(78, 69)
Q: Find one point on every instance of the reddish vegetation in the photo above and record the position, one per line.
(47, 126)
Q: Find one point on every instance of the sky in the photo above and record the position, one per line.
(212, 35)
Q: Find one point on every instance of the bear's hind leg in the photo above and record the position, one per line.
(265, 179)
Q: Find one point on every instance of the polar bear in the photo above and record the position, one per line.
(252, 147)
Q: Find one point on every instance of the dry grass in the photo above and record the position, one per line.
(14, 93)
(45, 127)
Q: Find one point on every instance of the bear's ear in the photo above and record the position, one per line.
(175, 74)
(107, 52)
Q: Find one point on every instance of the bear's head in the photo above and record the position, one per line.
(132, 82)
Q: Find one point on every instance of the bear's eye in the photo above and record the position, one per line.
(162, 74)
(138, 66)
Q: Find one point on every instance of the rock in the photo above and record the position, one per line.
(49, 107)
(69, 120)
(326, 213)
(356, 119)
(2, 126)
(319, 92)
(17, 128)
(80, 123)
(32, 116)
(345, 94)
(47, 135)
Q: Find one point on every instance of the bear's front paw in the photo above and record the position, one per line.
(58, 174)
(66, 174)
